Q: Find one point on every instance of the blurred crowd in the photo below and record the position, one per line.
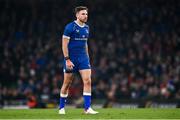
(134, 49)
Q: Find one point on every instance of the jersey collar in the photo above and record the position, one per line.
(79, 24)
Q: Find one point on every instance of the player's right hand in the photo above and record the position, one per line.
(69, 64)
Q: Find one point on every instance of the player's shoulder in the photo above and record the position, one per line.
(86, 25)
(72, 26)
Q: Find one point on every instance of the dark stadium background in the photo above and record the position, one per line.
(134, 49)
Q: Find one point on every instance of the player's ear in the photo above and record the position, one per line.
(77, 14)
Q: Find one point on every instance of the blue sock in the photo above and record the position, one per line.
(62, 101)
(87, 100)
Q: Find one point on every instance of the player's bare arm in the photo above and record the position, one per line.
(65, 43)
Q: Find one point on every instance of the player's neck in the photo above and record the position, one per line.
(79, 23)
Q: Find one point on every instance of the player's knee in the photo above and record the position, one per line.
(87, 81)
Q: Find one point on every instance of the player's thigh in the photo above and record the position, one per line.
(85, 74)
(68, 77)
(83, 62)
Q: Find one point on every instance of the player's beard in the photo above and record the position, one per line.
(83, 20)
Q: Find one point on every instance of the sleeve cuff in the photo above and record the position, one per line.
(67, 37)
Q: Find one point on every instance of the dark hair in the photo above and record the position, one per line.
(79, 8)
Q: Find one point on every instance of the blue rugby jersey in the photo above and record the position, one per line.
(78, 36)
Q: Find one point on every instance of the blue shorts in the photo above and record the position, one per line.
(80, 63)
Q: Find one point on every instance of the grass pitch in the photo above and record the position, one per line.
(109, 113)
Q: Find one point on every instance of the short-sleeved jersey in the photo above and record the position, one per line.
(78, 36)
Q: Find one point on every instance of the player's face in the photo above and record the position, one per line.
(82, 16)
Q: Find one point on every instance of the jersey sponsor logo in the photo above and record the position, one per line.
(81, 39)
